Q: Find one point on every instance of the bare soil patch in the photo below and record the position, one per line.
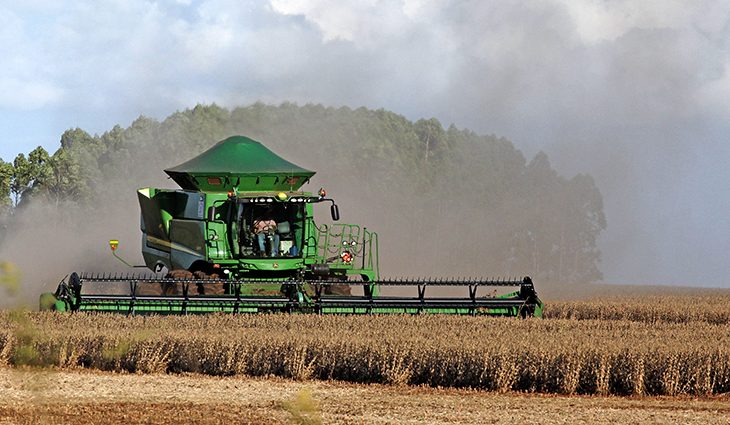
(51, 396)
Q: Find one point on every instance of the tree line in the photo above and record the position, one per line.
(458, 198)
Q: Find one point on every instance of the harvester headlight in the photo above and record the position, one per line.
(281, 196)
(269, 200)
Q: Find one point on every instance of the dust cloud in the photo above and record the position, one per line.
(48, 242)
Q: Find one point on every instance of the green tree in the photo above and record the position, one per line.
(40, 166)
(433, 139)
(6, 181)
(22, 177)
(75, 138)
(29, 174)
(65, 180)
(584, 220)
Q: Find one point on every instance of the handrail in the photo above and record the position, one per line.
(334, 239)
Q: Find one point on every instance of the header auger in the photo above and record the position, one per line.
(240, 237)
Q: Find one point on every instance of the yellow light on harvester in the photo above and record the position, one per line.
(113, 244)
(281, 196)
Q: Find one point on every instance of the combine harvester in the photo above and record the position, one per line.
(240, 237)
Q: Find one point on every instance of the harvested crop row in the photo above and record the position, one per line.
(553, 356)
(647, 309)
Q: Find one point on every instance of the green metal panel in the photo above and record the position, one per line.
(273, 264)
(189, 205)
(239, 163)
(187, 243)
(145, 307)
(152, 217)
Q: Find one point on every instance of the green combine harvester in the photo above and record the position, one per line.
(240, 237)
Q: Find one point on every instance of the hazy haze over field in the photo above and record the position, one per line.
(636, 94)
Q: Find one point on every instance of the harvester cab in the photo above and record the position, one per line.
(240, 236)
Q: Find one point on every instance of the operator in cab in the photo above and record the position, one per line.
(265, 230)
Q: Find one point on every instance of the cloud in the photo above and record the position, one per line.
(355, 21)
(599, 20)
(28, 94)
(23, 86)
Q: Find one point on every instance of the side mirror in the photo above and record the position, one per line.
(211, 213)
(335, 211)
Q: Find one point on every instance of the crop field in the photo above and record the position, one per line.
(659, 346)
(668, 357)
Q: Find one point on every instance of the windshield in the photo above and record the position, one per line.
(270, 230)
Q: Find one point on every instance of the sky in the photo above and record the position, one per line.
(637, 94)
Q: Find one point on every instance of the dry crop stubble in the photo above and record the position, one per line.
(713, 309)
(638, 356)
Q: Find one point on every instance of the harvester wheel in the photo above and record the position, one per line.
(344, 289)
(337, 290)
(176, 288)
(209, 288)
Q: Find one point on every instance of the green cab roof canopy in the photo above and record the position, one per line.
(242, 164)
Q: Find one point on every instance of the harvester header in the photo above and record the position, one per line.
(240, 236)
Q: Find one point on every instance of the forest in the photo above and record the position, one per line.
(444, 201)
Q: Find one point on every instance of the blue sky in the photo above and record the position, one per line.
(635, 93)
